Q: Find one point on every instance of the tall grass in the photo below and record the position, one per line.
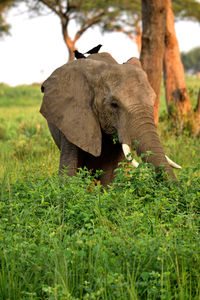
(71, 239)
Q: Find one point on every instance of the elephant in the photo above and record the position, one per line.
(87, 101)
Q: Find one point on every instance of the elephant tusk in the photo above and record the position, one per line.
(172, 163)
(127, 152)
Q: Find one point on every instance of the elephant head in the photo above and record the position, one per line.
(88, 97)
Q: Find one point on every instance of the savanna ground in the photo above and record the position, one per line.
(138, 239)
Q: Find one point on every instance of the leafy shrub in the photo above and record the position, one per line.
(70, 238)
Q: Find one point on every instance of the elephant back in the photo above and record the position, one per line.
(104, 56)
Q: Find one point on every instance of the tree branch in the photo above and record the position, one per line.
(118, 28)
(52, 7)
(59, 3)
(89, 23)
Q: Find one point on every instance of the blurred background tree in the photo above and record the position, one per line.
(86, 14)
(191, 61)
(186, 9)
(126, 19)
(177, 99)
(4, 7)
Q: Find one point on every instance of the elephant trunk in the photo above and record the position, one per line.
(144, 138)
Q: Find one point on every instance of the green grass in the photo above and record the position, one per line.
(19, 96)
(62, 239)
(192, 84)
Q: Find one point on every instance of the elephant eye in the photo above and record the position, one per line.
(114, 105)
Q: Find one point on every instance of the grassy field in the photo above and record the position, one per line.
(139, 239)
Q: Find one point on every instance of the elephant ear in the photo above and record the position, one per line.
(134, 61)
(67, 103)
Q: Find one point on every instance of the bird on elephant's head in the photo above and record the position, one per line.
(87, 101)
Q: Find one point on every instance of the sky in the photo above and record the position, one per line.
(35, 47)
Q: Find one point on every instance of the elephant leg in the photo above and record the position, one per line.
(107, 176)
(68, 157)
(110, 165)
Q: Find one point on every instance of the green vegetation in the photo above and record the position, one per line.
(191, 60)
(71, 239)
(4, 6)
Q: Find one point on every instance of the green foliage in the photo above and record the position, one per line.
(186, 9)
(63, 239)
(5, 5)
(72, 239)
(24, 137)
(171, 126)
(19, 96)
(191, 60)
(115, 138)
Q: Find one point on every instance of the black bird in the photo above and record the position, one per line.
(78, 54)
(94, 50)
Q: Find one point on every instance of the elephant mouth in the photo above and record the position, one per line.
(127, 153)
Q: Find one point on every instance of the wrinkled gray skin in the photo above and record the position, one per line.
(87, 100)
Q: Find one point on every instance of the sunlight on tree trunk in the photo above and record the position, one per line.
(177, 99)
(153, 23)
(197, 117)
(138, 38)
(69, 43)
(197, 109)
(174, 77)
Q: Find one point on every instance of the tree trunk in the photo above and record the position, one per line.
(138, 38)
(197, 108)
(174, 79)
(68, 41)
(197, 117)
(71, 48)
(152, 53)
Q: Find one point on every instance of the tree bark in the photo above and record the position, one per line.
(174, 78)
(138, 38)
(152, 52)
(71, 47)
(68, 41)
(197, 108)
